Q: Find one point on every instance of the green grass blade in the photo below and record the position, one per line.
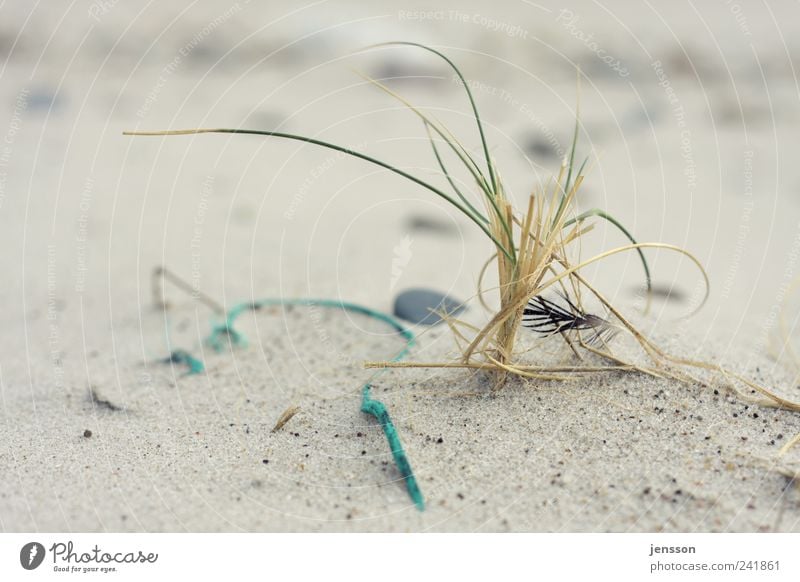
(459, 150)
(570, 165)
(449, 178)
(500, 216)
(469, 95)
(602, 214)
(453, 143)
(343, 150)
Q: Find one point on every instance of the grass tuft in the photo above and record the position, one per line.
(534, 250)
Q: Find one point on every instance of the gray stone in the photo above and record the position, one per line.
(415, 305)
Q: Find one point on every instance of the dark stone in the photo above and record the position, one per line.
(426, 224)
(415, 305)
(42, 100)
(540, 147)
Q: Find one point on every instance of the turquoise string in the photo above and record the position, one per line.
(368, 405)
(183, 357)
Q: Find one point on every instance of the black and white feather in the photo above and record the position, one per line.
(548, 317)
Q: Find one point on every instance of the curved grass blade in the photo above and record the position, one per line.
(449, 178)
(602, 214)
(462, 154)
(570, 165)
(469, 95)
(572, 270)
(343, 150)
(443, 132)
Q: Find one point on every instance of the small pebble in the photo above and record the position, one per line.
(427, 224)
(415, 305)
(541, 147)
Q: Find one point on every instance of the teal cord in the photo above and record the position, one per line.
(369, 406)
(183, 357)
(378, 410)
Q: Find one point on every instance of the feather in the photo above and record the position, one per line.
(548, 318)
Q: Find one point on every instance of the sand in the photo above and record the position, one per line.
(694, 151)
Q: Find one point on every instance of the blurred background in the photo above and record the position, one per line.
(687, 112)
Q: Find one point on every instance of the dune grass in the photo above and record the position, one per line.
(536, 253)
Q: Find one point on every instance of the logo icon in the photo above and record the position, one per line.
(402, 256)
(31, 555)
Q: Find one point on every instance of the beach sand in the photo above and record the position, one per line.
(692, 146)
